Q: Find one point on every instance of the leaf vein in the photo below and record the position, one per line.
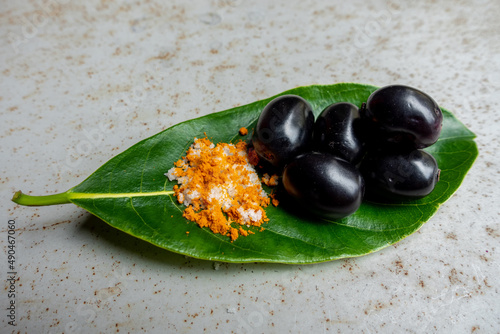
(155, 232)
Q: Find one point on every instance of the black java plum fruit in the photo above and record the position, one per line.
(404, 116)
(396, 175)
(338, 131)
(327, 186)
(284, 130)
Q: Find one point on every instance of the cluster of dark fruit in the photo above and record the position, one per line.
(327, 164)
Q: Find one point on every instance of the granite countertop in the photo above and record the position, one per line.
(82, 82)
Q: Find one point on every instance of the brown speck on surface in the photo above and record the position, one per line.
(451, 236)
(492, 232)
(162, 56)
(454, 277)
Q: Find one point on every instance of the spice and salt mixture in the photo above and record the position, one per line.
(220, 187)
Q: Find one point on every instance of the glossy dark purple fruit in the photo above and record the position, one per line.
(338, 131)
(404, 116)
(325, 185)
(284, 129)
(399, 175)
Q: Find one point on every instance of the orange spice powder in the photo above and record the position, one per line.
(220, 188)
(270, 181)
(243, 131)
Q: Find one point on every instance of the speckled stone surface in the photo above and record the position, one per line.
(83, 81)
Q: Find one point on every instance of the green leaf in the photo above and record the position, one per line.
(131, 193)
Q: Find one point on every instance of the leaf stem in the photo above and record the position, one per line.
(29, 200)
(67, 196)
